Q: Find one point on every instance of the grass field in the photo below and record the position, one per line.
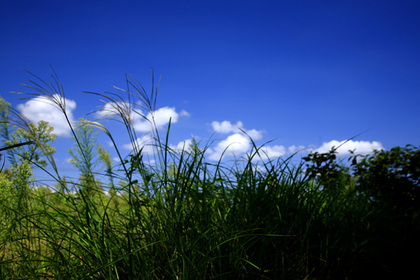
(183, 217)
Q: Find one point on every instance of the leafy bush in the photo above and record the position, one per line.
(390, 177)
(325, 170)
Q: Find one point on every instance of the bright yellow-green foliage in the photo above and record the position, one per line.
(14, 129)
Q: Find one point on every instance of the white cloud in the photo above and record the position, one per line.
(116, 159)
(235, 144)
(161, 118)
(141, 121)
(184, 113)
(145, 143)
(239, 143)
(111, 109)
(163, 115)
(183, 145)
(254, 134)
(228, 127)
(271, 152)
(42, 108)
(361, 147)
(293, 149)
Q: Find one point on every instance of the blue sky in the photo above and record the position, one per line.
(305, 74)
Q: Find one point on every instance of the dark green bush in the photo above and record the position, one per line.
(390, 177)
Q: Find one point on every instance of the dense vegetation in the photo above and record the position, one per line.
(183, 217)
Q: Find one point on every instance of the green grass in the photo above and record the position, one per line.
(186, 218)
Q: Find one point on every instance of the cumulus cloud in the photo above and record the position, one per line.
(42, 108)
(111, 109)
(161, 118)
(145, 143)
(361, 147)
(183, 145)
(228, 127)
(142, 122)
(271, 152)
(236, 144)
(254, 134)
(294, 149)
